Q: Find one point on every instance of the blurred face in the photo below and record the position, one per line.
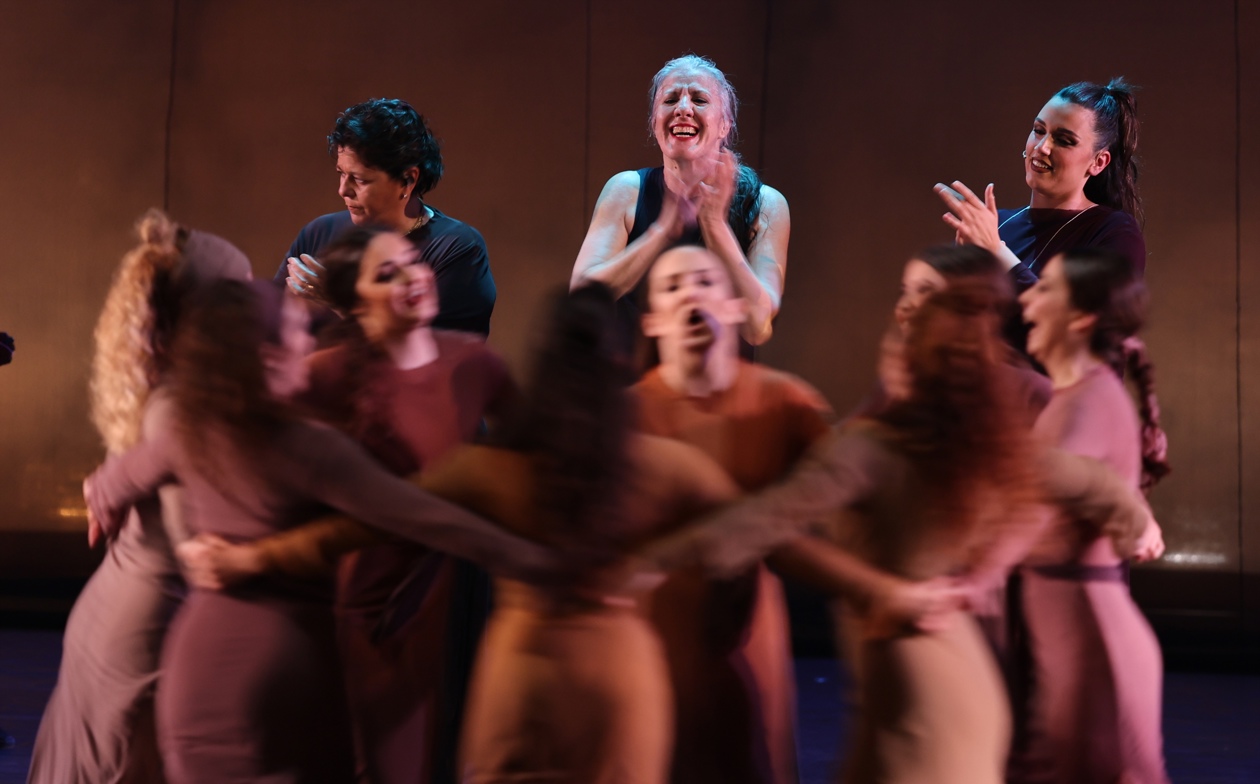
(286, 363)
(691, 299)
(1054, 323)
(371, 195)
(396, 288)
(689, 116)
(919, 281)
(1060, 154)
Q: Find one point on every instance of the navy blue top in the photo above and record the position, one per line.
(631, 307)
(455, 251)
(1038, 235)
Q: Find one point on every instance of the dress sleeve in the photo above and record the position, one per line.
(836, 473)
(125, 479)
(1090, 491)
(345, 477)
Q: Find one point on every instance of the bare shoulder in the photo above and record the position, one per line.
(773, 203)
(620, 192)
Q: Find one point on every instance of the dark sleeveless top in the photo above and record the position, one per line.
(632, 306)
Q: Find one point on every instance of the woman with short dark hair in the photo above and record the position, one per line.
(387, 162)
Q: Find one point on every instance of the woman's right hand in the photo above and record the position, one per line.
(103, 523)
(926, 606)
(974, 221)
(304, 272)
(678, 214)
(213, 563)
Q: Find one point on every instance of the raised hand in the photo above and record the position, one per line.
(714, 193)
(974, 221)
(304, 273)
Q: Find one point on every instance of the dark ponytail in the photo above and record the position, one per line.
(1116, 124)
(1105, 284)
(574, 422)
(1154, 440)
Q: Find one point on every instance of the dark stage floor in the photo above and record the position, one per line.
(1211, 721)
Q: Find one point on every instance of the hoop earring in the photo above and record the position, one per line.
(1025, 153)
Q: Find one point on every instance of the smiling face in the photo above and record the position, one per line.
(1055, 324)
(691, 301)
(919, 281)
(689, 116)
(1061, 154)
(372, 197)
(396, 289)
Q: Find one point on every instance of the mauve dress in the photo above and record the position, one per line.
(728, 642)
(251, 687)
(399, 685)
(98, 725)
(1097, 672)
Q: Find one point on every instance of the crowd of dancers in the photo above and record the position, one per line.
(294, 586)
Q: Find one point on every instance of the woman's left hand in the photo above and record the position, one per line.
(924, 606)
(714, 193)
(974, 221)
(1150, 545)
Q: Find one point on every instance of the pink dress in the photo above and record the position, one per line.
(1093, 713)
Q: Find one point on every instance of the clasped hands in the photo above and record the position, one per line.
(706, 202)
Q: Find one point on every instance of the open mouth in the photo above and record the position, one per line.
(1040, 164)
(695, 318)
(684, 131)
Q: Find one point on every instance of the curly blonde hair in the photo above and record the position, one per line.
(129, 343)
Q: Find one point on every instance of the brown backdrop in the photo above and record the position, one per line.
(218, 110)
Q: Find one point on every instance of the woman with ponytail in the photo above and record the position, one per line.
(1093, 712)
(1079, 161)
(98, 725)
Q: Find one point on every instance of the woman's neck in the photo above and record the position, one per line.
(700, 373)
(412, 215)
(1073, 201)
(1068, 365)
(683, 174)
(411, 349)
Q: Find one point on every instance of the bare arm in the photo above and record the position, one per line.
(759, 277)
(605, 256)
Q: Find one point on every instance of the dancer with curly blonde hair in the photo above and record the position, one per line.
(98, 725)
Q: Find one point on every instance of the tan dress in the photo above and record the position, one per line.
(728, 642)
(931, 708)
(571, 684)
